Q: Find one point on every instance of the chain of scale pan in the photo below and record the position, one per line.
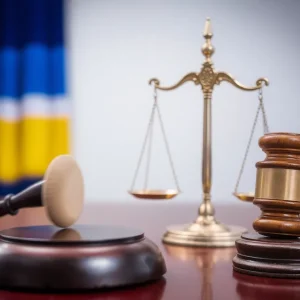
(166, 141)
(149, 133)
(266, 130)
(144, 145)
(260, 98)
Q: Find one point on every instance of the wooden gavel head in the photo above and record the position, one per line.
(278, 186)
(61, 192)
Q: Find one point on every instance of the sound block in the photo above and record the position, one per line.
(267, 257)
(79, 258)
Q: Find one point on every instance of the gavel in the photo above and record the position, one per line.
(61, 192)
(278, 186)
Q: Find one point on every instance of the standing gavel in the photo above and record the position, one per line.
(61, 192)
(278, 186)
(274, 250)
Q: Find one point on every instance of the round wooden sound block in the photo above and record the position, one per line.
(78, 258)
(267, 257)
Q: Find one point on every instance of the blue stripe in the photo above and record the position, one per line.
(57, 71)
(10, 17)
(56, 22)
(14, 188)
(31, 48)
(9, 70)
(35, 63)
(31, 21)
(43, 71)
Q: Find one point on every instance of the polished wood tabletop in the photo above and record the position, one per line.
(192, 273)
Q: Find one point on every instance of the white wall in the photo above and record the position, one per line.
(115, 47)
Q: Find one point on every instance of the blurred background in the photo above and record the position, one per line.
(74, 79)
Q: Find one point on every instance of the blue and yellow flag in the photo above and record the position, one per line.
(34, 114)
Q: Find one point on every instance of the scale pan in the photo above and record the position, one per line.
(154, 194)
(249, 197)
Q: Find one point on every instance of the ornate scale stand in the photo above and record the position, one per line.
(205, 230)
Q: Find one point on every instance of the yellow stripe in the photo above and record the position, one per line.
(9, 151)
(60, 137)
(29, 145)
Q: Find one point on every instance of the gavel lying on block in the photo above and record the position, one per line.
(83, 257)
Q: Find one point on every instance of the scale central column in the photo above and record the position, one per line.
(205, 231)
(206, 210)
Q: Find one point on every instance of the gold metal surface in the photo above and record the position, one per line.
(206, 231)
(212, 235)
(154, 194)
(277, 183)
(208, 77)
(249, 197)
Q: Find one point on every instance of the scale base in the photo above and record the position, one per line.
(213, 234)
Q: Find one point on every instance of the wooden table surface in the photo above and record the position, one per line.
(192, 273)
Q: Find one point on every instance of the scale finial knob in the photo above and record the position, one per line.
(207, 29)
(208, 49)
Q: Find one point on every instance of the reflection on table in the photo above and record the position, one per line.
(151, 291)
(205, 258)
(253, 287)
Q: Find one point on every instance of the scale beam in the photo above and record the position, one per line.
(222, 76)
(188, 77)
(203, 79)
(206, 231)
(208, 78)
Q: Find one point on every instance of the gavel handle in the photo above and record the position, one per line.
(30, 197)
(6, 207)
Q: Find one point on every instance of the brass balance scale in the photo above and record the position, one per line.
(205, 231)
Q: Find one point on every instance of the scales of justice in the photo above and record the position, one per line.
(205, 231)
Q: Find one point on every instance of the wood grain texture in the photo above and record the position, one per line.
(30, 197)
(267, 257)
(83, 258)
(277, 193)
(278, 218)
(282, 150)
